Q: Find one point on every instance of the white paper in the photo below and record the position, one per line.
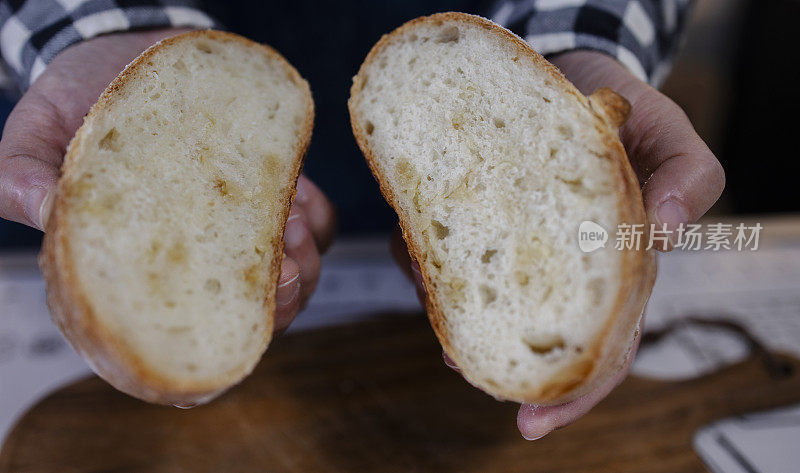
(759, 290)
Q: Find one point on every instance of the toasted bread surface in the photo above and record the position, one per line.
(163, 248)
(492, 160)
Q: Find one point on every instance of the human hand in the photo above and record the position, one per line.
(680, 178)
(309, 232)
(38, 130)
(44, 120)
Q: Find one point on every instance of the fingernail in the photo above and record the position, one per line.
(671, 214)
(44, 211)
(449, 361)
(287, 291)
(295, 231)
(34, 206)
(302, 192)
(417, 273)
(188, 405)
(526, 417)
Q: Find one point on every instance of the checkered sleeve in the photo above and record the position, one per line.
(33, 32)
(641, 34)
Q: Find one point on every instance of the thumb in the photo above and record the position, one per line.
(31, 151)
(680, 176)
(39, 128)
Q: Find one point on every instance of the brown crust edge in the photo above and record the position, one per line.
(109, 356)
(607, 355)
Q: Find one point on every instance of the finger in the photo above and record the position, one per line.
(299, 245)
(31, 150)
(319, 212)
(400, 253)
(449, 362)
(682, 177)
(287, 296)
(410, 267)
(534, 422)
(25, 189)
(419, 283)
(39, 128)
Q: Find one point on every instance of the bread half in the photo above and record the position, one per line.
(492, 160)
(163, 248)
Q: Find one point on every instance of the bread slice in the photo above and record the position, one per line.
(492, 160)
(163, 249)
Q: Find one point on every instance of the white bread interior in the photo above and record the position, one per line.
(492, 159)
(163, 250)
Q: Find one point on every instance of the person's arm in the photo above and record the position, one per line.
(63, 59)
(680, 177)
(34, 32)
(626, 45)
(621, 44)
(642, 35)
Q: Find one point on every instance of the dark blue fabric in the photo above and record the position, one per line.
(326, 42)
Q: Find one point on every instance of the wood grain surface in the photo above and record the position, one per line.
(376, 397)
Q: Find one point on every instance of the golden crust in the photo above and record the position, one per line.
(614, 108)
(607, 355)
(108, 355)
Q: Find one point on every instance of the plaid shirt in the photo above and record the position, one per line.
(641, 34)
(33, 32)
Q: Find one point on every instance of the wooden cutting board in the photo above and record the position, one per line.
(376, 397)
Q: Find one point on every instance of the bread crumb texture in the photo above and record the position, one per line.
(175, 204)
(494, 164)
